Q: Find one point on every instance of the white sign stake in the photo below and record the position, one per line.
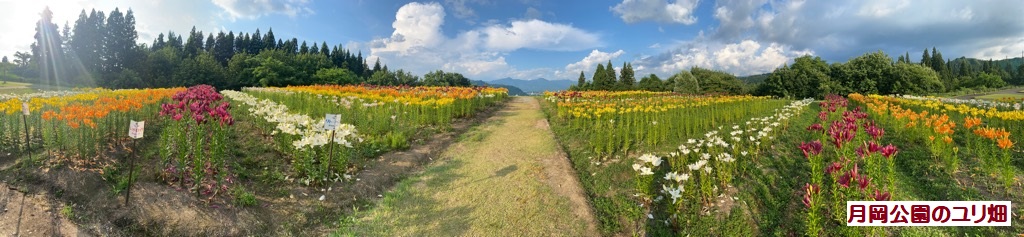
(136, 129)
(24, 108)
(332, 121)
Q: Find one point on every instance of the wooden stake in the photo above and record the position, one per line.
(330, 153)
(131, 174)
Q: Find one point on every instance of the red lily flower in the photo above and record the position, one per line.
(813, 148)
(863, 181)
(835, 167)
(844, 180)
(879, 196)
(889, 150)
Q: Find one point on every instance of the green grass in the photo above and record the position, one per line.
(16, 88)
(67, 211)
(16, 91)
(25, 88)
(1000, 96)
(490, 183)
(13, 84)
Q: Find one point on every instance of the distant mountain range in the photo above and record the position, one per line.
(513, 91)
(535, 86)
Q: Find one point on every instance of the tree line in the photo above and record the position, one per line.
(878, 73)
(694, 81)
(102, 50)
(810, 76)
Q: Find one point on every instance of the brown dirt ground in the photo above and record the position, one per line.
(561, 177)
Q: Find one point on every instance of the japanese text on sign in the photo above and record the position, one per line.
(928, 213)
(136, 129)
(332, 121)
(24, 108)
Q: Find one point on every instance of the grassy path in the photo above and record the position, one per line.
(505, 177)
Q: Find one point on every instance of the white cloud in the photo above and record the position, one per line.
(735, 16)
(252, 9)
(841, 30)
(679, 11)
(747, 57)
(418, 44)
(997, 48)
(589, 63)
(537, 34)
(417, 26)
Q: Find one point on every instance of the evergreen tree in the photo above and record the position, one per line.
(46, 50)
(86, 41)
(194, 44)
(158, 43)
(255, 43)
(210, 43)
(303, 49)
(240, 43)
(376, 66)
(938, 64)
(600, 81)
(65, 37)
(965, 69)
(626, 79)
(324, 50)
(122, 51)
(225, 48)
(269, 40)
(581, 83)
(925, 59)
(315, 49)
(610, 76)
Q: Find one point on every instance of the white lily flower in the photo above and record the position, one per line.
(675, 194)
(645, 171)
(681, 178)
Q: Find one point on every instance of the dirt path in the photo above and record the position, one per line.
(505, 177)
(33, 215)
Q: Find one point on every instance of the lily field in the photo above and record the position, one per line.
(270, 161)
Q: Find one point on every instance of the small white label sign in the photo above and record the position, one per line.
(332, 121)
(24, 108)
(136, 129)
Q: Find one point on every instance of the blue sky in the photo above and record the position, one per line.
(491, 39)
